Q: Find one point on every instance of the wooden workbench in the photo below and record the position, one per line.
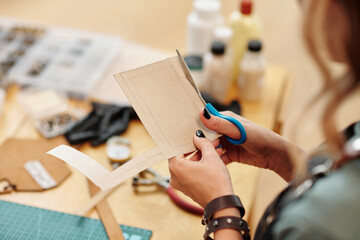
(151, 210)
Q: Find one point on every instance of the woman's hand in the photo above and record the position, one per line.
(204, 176)
(262, 148)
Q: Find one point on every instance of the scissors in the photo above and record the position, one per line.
(211, 109)
(151, 177)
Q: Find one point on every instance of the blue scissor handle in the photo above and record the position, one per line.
(241, 128)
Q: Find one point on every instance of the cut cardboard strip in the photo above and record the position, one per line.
(107, 217)
(84, 164)
(129, 169)
(132, 167)
(99, 175)
(98, 197)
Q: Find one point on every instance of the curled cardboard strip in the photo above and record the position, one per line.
(101, 176)
(167, 103)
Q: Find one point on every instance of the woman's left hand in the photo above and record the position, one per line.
(204, 176)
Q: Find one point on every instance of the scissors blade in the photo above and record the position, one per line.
(188, 75)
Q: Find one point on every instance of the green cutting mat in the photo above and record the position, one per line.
(23, 222)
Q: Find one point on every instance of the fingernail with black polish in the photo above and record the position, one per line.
(200, 134)
(206, 113)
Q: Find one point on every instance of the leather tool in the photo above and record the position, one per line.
(151, 177)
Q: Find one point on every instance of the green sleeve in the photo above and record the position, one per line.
(298, 228)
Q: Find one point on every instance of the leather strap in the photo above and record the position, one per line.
(235, 223)
(221, 203)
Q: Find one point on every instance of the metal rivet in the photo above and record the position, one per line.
(229, 220)
(207, 228)
(241, 223)
(216, 223)
(269, 219)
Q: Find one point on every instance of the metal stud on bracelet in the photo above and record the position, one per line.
(236, 223)
(228, 222)
(221, 203)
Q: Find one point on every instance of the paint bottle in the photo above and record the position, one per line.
(217, 72)
(246, 26)
(201, 23)
(252, 68)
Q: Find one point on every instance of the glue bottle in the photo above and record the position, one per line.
(252, 68)
(201, 23)
(246, 26)
(217, 72)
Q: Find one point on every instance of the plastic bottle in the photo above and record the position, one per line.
(224, 34)
(246, 26)
(252, 68)
(217, 72)
(201, 22)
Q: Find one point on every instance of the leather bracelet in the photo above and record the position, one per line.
(235, 223)
(221, 203)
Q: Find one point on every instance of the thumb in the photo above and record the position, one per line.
(205, 146)
(220, 125)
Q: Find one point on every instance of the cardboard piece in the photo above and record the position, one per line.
(168, 103)
(16, 153)
(107, 217)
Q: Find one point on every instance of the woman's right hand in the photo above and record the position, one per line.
(263, 148)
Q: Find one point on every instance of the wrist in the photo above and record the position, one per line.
(223, 217)
(223, 204)
(283, 163)
(223, 188)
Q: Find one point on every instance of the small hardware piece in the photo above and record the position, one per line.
(118, 149)
(56, 125)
